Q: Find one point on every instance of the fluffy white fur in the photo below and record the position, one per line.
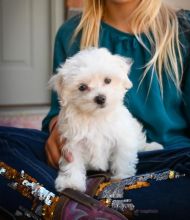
(100, 135)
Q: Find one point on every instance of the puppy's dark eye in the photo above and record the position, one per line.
(107, 80)
(83, 87)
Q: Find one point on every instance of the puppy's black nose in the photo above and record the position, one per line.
(100, 99)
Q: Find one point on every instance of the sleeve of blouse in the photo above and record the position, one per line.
(185, 23)
(186, 90)
(58, 58)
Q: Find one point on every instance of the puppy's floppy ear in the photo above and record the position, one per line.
(125, 64)
(56, 83)
(127, 82)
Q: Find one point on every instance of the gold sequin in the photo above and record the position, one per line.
(137, 185)
(106, 202)
(171, 174)
(101, 187)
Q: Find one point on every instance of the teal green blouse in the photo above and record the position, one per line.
(166, 118)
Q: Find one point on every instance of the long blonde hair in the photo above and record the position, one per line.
(156, 20)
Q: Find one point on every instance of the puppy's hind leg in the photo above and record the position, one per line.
(71, 175)
(123, 163)
(152, 146)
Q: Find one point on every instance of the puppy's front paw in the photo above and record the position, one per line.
(62, 182)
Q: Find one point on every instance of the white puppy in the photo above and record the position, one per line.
(100, 132)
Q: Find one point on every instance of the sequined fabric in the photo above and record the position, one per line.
(111, 193)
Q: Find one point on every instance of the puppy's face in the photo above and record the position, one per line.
(92, 81)
(89, 94)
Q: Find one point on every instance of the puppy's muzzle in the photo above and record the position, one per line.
(100, 100)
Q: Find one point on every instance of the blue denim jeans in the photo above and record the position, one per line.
(23, 149)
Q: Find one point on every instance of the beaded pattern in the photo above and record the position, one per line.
(111, 193)
(116, 189)
(43, 201)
